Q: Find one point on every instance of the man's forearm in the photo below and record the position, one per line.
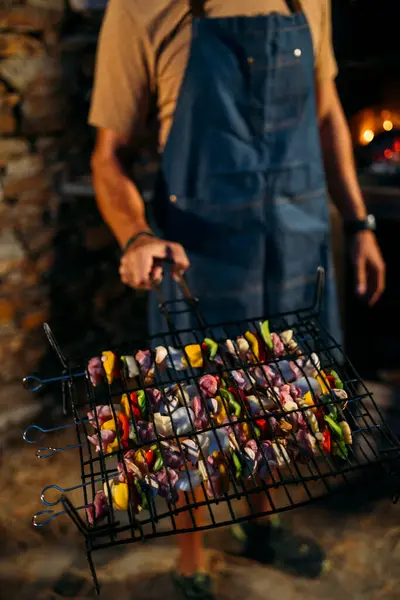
(118, 199)
(340, 168)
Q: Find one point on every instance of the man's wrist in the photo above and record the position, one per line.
(355, 226)
(124, 233)
(135, 237)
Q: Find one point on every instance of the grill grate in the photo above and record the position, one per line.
(181, 458)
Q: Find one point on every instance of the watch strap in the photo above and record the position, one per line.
(357, 226)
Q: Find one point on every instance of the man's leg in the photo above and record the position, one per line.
(192, 578)
(192, 554)
(265, 540)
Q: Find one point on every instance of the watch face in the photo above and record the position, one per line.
(371, 222)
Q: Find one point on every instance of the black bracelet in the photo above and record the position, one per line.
(135, 237)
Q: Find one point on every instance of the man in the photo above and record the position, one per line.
(248, 115)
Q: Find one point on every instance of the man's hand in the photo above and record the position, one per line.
(369, 265)
(141, 263)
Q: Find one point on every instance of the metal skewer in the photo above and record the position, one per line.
(44, 431)
(70, 489)
(38, 383)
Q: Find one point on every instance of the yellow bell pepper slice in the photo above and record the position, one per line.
(253, 341)
(309, 400)
(113, 446)
(246, 430)
(195, 356)
(120, 494)
(110, 424)
(125, 405)
(140, 459)
(109, 361)
(221, 415)
(323, 383)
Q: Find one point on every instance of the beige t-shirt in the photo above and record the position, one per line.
(138, 57)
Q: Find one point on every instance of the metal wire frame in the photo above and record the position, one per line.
(375, 445)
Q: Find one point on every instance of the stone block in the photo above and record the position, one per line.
(19, 72)
(11, 251)
(19, 45)
(23, 167)
(45, 106)
(16, 187)
(28, 18)
(12, 148)
(8, 123)
(44, 115)
(7, 311)
(38, 197)
(9, 100)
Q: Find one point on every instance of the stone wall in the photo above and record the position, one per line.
(58, 262)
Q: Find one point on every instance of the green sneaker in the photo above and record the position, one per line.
(195, 587)
(272, 544)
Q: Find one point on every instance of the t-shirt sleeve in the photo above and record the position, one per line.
(326, 65)
(123, 75)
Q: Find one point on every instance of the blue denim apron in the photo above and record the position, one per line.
(243, 185)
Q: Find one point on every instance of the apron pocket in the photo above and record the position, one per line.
(235, 200)
(299, 241)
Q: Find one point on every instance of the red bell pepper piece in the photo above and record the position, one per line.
(135, 405)
(124, 427)
(331, 380)
(320, 418)
(261, 347)
(239, 396)
(326, 444)
(233, 391)
(262, 425)
(149, 456)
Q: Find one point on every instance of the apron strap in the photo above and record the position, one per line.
(197, 8)
(294, 5)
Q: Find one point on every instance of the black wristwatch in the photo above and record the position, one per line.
(367, 224)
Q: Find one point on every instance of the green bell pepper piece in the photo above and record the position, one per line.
(212, 347)
(158, 465)
(338, 382)
(266, 334)
(144, 501)
(340, 450)
(237, 409)
(233, 404)
(158, 459)
(141, 398)
(237, 465)
(334, 427)
(327, 401)
(143, 497)
(132, 433)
